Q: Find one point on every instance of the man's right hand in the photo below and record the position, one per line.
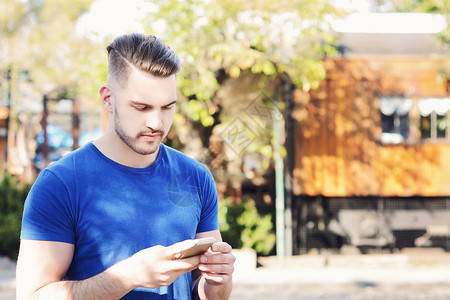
(157, 266)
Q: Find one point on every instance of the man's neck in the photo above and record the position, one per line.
(115, 149)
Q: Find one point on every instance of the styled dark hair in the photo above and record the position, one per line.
(147, 53)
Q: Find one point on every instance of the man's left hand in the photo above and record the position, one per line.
(217, 264)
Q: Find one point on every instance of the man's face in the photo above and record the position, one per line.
(143, 111)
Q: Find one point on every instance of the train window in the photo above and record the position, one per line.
(3, 134)
(425, 126)
(394, 119)
(434, 118)
(442, 123)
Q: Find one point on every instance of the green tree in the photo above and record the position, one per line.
(217, 40)
(41, 37)
(63, 57)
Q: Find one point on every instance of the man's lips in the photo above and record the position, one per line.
(152, 134)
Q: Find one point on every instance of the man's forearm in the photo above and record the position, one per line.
(149, 268)
(211, 291)
(110, 284)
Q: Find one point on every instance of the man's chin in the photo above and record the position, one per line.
(149, 150)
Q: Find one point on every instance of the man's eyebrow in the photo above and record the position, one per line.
(146, 104)
(138, 103)
(173, 102)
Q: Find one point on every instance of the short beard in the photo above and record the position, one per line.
(128, 140)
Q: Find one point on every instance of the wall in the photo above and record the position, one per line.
(337, 131)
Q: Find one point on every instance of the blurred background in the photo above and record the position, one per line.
(325, 123)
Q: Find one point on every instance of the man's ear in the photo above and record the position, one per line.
(105, 94)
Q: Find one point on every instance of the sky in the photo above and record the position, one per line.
(360, 6)
(124, 15)
(114, 17)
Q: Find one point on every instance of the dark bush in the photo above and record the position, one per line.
(12, 198)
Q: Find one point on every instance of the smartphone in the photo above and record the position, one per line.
(200, 247)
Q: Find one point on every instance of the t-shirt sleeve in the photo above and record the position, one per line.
(209, 219)
(47, 214)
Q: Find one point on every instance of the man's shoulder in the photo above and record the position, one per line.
(72, 160)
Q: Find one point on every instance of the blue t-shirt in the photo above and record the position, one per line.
(110, 211)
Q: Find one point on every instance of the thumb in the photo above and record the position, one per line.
(176, 248)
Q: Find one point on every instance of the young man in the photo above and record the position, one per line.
(108, 220)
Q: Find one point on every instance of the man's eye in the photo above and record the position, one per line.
(169, 106)
(140, 108)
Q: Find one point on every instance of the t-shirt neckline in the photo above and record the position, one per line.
(128, 168)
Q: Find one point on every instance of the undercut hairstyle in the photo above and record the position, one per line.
(146, 53)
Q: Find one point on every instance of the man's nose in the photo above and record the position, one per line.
(154, 120)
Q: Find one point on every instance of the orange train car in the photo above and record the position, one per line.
(372, 155)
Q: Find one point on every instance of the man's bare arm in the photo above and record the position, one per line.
(42, 265)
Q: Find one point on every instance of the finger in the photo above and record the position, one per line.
(217, 258)
(186, 264)
(216, 268)
(221, 247)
